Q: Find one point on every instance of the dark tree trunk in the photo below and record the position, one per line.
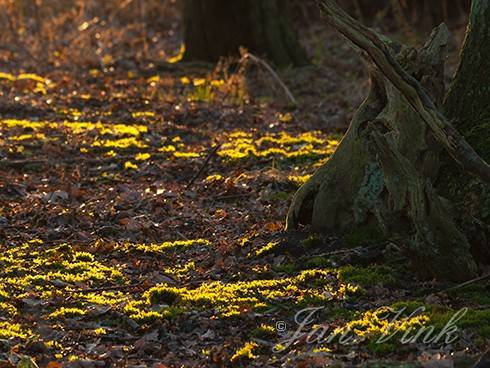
(218, 28)
(468, 99)
(386, 173)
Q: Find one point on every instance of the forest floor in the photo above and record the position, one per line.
(141, 217)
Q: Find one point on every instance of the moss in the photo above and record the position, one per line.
(162, 247)
(264, 332)
(67, 313)
(381, 349)
(311, 241)
(318, 262)
(288, 268)
(246, 352)
(367, 276)
(163, 294)
(439, 315)
(13, 331)
(271, 247)
(478, 294)
(363, 235)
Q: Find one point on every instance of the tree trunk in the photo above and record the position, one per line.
(385, 174)
(217, 28)
(468, 99)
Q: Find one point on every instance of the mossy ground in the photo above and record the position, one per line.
(106, 248)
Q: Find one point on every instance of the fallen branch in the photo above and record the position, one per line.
(105, 288)
(203, 166)
(377, 50)
(469, 282)
(248, 56)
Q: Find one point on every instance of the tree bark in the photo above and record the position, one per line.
(468, 99)
(218, 28)
(386, 172)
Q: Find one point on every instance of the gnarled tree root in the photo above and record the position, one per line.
(384, 171)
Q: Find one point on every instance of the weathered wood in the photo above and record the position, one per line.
(385, 173)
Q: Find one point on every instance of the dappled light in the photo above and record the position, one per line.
(175, 192)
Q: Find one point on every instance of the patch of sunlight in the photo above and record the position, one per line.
(122, 143)
(110, 298)
(100, 331)
(268, 248)
(31, 268)
(286, 118)
(78, 127)
(25, 76)
(67, 313)
(34, 77)
(187, 155)
(13, 331)
(214, 178)
(25, 137)
(310, 145)
(245, 352)
(299, 180)
(8, 76)
(133, 130)
(373, 324)
(232, 299)
(7, 309)
(128, 165)
(185, 80)
(162, 247)
(167, 149)
(143, 114)
(181, 271)
(178, 57)
(142, 157)
(95, 73)
(24, 124)
(199, 82)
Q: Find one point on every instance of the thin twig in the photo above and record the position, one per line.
(203, 166)
(105, 288)
(469, 282)
(263, 63)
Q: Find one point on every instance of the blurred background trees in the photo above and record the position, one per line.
(128, 32)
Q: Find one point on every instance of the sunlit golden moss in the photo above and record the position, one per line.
(120, 143)
(231, 299)
(178, 154)
(247, 351)
(28, 268)
(142, 157)
(299, 180)
(136, 311)
(311, 145)
(13, 331)
(178, 57)
(266, 249)
(143, 114)
(67, 313)
(373, 324)
(181, 271)
(128, 165)
(162, 247)
(7, 309)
